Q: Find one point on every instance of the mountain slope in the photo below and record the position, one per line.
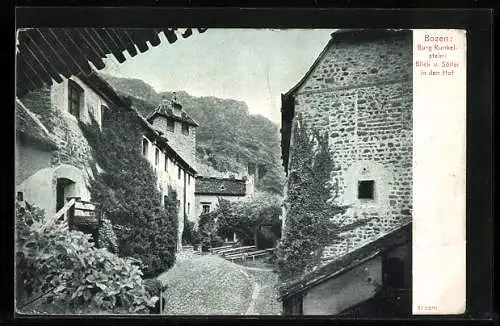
(228, 138)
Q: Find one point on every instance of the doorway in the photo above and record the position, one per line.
(64, 188)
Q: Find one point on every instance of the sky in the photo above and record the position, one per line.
(252, 65)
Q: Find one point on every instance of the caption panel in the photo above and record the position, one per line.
(439, 223)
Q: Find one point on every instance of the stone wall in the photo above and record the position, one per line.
(184, 145)
(361, 95)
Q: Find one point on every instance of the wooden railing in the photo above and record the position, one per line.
(59, 214)
(252, 254)
(237, 250)
(75, 212)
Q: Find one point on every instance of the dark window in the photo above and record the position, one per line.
(189, 179)
(185, 129)
(205, 208)
(20, 196)
(170, 125)
(189, 207)
(166, 163)
(157, 156)
(366, 189)
(145, 147)
(165, 201)
(75, 93)
(179, 173)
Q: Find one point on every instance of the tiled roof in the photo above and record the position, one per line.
(348, 261)
(220, 186)
(47, 54)
(166, 109)
(28, 125)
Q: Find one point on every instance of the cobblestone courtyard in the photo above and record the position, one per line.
(210, 285)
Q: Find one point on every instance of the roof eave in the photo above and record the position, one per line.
(313, 278)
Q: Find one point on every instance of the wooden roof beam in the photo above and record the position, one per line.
(170, 35)
(31, 49)
(152, 37)
(45, 46)
(37, 69)
(104, 49)
(86, 46)
(75, 51)
(24, 71)
(139, 40)
(57, 46)
(125, 40)
(108, 40)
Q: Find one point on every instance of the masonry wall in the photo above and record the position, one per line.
(361, 95)
(184, 145)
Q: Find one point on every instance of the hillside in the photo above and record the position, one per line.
(228, 137)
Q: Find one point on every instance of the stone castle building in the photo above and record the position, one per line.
(359, 92)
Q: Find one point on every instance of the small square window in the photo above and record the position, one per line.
(366, 189)
(205, 208)
(20, 196)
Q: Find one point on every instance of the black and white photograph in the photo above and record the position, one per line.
(214, 171)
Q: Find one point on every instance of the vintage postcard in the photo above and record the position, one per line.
(296, 172)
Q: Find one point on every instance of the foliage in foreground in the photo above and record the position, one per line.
(126, 190)
(62, 268)
(309, 204)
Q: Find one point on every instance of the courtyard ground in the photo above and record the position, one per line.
(210, 285)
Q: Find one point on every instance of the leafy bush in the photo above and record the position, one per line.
(309, 204)
(64, 268)
(127, 192)
(245, 218)
(208, 232)
(190, 234)
(106, 237)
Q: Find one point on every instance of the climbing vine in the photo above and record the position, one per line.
(125, 186)
(309, 202)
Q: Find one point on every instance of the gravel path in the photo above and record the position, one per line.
(210, 285)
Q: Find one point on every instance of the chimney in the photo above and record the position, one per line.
(176, 105)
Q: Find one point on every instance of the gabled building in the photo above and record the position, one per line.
(180, 129)
(359, 92)
(209, 190)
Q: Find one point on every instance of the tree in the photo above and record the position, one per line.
(309, 204)
(245, 218)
